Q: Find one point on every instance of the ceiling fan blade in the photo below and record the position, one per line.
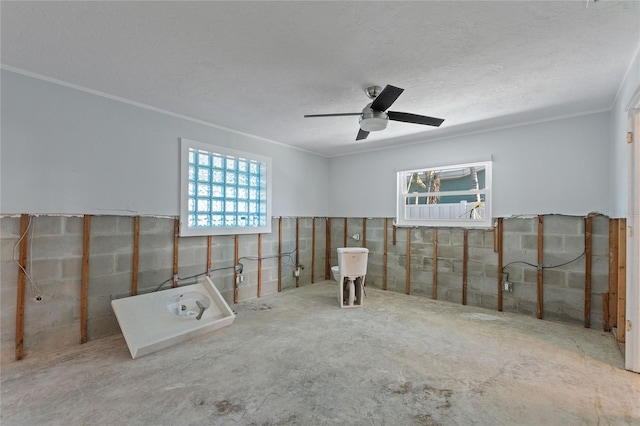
(387, 97)
(340, 114)
(414, 118)
(362, 134)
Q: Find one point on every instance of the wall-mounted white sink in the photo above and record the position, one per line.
(154, 321)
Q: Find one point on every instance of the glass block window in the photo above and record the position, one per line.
(223, 191)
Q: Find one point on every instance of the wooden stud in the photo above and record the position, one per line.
(259, 265)
(496, 239)
(465, 260)
(384, 256)
(297, 250)
(613, 273)
(279, 254)
(22, 279)
(313, 250)
(327, 254)
(176, 236)
(500, 242)
(236, 259)
(588, 226)
(540, 260)
(434, 287)
(364, 232)
(605, 312)
(622, 278)
(344, 244)
(394, 235)
(84, 283)
(136, 255)
(209, 240)
(408, 278)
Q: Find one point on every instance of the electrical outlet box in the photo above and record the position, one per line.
(296, 272)
(507, 286)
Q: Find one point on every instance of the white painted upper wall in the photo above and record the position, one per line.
(620, 148)
(65, 151)
(559, 166)
(71, 152)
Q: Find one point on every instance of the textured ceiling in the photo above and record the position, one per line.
(258, 67)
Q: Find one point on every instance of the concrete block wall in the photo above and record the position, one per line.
(563, 289)
(55, 263)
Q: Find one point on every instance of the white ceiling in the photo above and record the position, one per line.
(258, 67)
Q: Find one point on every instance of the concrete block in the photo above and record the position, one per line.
(600, 225)
(551, 243)
(558, 311)
(523, 225)
(524, 291)
(45, 269)
(102, 327)
(9, 227)
(71, 268)
(575, 280)
(600, 245)
(522, 306)
(110, 244)
(452, 295)
(46, 225)
(489, 301)
(444, 237)
(482, 254)
(444, 266)
(482, 285)
(56, 247)
(574, 244)
(450, 252)
(152, 241)
(101, 264)
(104, 225)
(73, 225)
(8, 250)
(554, 277)
(156, 259)
(52, 339)
(570, 297)
(457, 237)
(561, 224)
(476, 238)
(156, 225)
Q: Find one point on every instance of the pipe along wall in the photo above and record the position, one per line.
(77, 265)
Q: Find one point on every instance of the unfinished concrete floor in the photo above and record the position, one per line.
(296, 358)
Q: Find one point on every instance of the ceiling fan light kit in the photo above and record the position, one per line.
(372, 120)
(374, 117)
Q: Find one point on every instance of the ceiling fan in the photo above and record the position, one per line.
(374, 118)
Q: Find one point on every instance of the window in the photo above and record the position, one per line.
(223, 191)
(455, 195)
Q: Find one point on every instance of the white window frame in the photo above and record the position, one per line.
(265, 201)
(402, 219)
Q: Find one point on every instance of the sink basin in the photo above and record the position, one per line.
(186, 304)
(154, 321)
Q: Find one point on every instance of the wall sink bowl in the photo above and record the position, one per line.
(188, 304)
(154, 321)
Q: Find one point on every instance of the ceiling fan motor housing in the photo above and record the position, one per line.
(372, 120)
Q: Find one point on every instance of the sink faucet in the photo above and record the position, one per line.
(202, 309)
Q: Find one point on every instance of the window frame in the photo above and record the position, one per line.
(185, 230)
(402, 194)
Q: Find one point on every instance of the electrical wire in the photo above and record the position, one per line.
(288, 254)
(177, 279)
(33, 288)
(542, 267)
